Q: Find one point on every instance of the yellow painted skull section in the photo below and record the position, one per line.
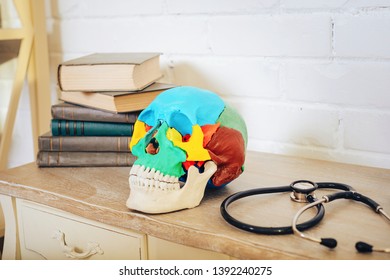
(139, 132)
(193, 147)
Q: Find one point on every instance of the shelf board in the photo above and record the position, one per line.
(12, 33)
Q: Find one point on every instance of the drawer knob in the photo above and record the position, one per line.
(92, 248)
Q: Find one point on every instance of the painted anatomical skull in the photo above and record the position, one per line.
(187, 139)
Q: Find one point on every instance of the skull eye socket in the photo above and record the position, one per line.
(153, 147)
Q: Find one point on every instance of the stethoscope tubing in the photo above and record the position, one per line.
(268, 190)
(265, 230)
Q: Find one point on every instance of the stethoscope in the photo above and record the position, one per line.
(303, 191)
(360, 246)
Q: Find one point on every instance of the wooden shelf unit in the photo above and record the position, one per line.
(33, 49)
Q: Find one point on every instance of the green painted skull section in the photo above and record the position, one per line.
(232, 119)
(169, 158)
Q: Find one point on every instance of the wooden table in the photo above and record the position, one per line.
(99, 194)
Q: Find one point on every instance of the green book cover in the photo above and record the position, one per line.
(85, 128)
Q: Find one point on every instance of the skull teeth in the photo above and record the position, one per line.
(144, 177)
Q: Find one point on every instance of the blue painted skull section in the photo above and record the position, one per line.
(182, 107)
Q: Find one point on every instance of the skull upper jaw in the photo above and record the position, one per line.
(154, 197)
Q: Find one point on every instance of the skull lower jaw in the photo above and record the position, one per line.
(151, 195)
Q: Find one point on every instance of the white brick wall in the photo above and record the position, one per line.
(311, 78)
(372, 40)
(339, 82)
(271, 35)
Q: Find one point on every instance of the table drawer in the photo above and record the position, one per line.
(48, 233)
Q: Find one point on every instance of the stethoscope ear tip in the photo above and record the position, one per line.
(363, 247)
(329, 242)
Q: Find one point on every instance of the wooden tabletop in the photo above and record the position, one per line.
(100, 194)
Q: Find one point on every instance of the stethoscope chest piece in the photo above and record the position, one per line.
(301, 189)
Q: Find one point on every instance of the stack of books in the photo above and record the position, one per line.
(102, 95)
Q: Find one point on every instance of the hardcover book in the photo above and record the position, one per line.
(84, 159)
(47, 142)
(114, 101)
(109, 72)
(72, 112)
(84, 128)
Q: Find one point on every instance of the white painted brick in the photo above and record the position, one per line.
(163, 34)
(332, 4)
(24, 103)
(228, 76)
(309, 4)
(21, 150)
(7, 69)
(54, 40)
(338, 155)
(79, 35)
(66, 9)
(220, 6)
(63, 8)
(347, 83)
(367, 131)
(279, 35)
(121, 8)
(5, 90)
(362, 35)
(9, 15)
(311, 127)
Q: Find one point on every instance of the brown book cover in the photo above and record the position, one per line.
(84, 159)
(68, 111)
(118, 102)
(47, 142)
(109, 72)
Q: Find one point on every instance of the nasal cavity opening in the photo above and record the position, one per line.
(153, 146)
